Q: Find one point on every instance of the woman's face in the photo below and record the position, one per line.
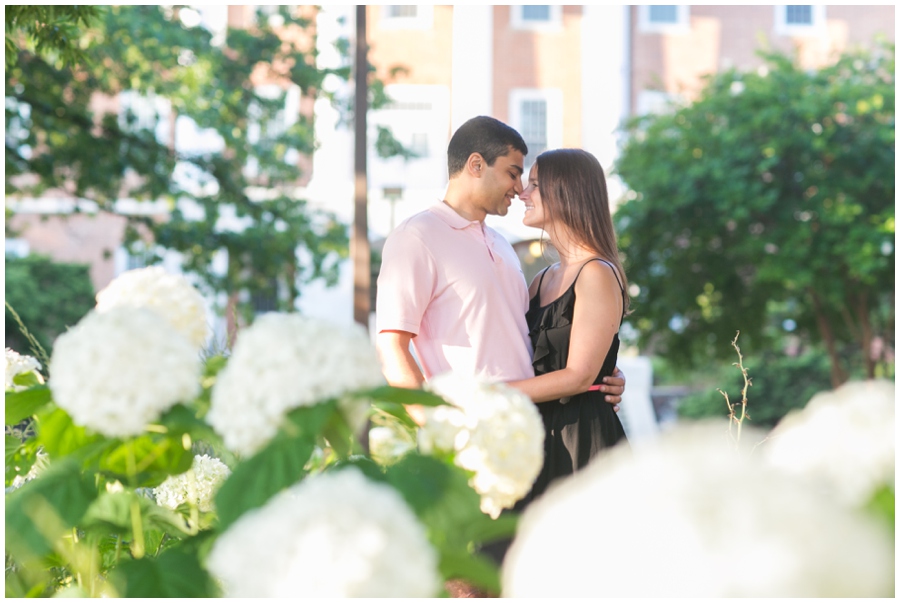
(531, 196)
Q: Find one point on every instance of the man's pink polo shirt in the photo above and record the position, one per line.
(458, 287)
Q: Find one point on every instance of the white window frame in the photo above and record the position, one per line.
(517, 21)
(554, 99)
(424, 18)
(816, 28)
(682, 23)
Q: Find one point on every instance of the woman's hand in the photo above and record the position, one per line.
(614, 387)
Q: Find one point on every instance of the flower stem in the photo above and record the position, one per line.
(137, 545)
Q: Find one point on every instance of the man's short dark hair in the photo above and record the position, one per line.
(489, 137)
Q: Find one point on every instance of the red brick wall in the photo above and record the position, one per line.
(538, 59)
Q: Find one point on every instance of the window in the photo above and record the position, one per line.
(663, 13)
(402, 10)
(664, 18)
(417, 116)
(418, 144)
(800, 20)
(407, 16)
(547, 17)
(800, 14)
(537, 114)
(18, 248)
(653, 101)
(536, 12)
(534, 125)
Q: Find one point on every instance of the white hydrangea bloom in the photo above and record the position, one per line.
(171, 295)
(284, 361)
(495, 430)
(117, 371)
(334, 534)
(688, 516)
(842, 439)
(198, 484)
(16, 364)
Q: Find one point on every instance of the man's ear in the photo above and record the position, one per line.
(476, 165)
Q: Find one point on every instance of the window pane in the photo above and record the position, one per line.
(664, 13)
(534, 126)
(799, 14)
(536, 12)
(402, 10)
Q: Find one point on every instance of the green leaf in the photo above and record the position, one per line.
(401, 395)
(61, 437)
(279, 465)
(42, 510)
(177, 572)
(369, 468)
(111, 512)
(12, 447)
(28, 379)
(156, 457)
(396, 411)
(23, 404)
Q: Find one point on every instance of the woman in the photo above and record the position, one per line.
(577, 306)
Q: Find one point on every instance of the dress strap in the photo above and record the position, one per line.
(540, 282)
(615, 274)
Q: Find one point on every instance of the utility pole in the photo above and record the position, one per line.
(359, 241)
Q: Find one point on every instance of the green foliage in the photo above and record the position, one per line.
(148, 51)
(770, 198)
(87, 524)
(279, 465)
(48, 296)
(47, 30)
(41, 511)
(779, 384)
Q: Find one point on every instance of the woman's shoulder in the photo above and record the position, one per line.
(598, 273)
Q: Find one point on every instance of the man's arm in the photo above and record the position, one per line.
(399, 366)
(397, 363)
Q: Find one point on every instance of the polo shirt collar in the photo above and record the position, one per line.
(449, 215)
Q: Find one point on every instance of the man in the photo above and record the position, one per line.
(452, 286)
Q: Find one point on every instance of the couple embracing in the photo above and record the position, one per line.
(454, 289)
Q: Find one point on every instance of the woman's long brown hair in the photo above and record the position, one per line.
(573, 189)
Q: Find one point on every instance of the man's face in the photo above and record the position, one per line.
(501, 182)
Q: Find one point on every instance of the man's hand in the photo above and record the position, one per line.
(614, 387)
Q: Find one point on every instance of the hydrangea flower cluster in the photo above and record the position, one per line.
(199, 484)
(16, 364)
(335, 534)
(704, 519)
(842, 439)
(171, 295)
(284, 361)
(494, 430)
(117, 371)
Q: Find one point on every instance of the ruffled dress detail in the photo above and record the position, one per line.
(577, 427)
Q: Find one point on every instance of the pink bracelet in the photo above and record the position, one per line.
(594, 388)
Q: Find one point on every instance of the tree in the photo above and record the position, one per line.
(48, 296)
(57, 140)
(766, 206)
(50, 31)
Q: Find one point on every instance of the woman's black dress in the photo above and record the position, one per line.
(580, 426)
